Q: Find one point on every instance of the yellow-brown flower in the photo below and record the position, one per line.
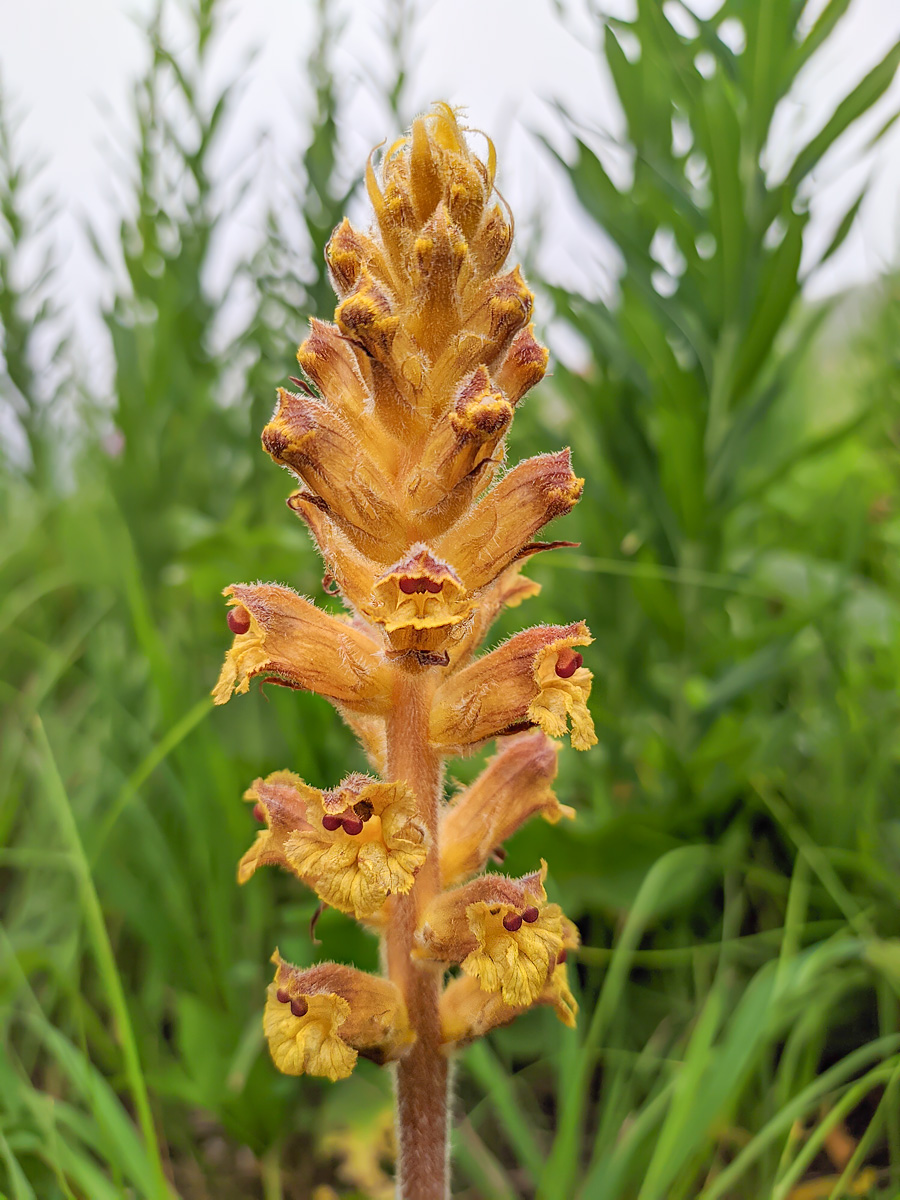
(354, 846)
(289, 641)
(278, 802)
(501, 931)
(535, 678)
(468, 1012)
(319, 1020)
(419, 602)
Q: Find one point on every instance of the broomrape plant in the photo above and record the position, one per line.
(396, 435)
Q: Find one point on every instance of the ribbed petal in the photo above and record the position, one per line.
(291, 642)
(515, 786)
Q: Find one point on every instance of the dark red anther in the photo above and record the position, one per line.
(511, 922)
(530, 914)
(259, 814)
(519, 727)
(352, 825)
(299, 1007)
(238, 619)
(331, 822)
(282, 997)
(433, 586)
(408, 586)
(562, 956)
(567, 663)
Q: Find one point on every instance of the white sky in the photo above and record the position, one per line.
(68, 68)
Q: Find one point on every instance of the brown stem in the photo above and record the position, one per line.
(422, 1074)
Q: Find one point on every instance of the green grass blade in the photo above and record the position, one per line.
(105, 958)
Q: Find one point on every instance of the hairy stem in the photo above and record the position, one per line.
(422, 1074)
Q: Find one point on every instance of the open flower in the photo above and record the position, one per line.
(501, 931)
(534, 678)
(564, 685)
(363, 843)
(278, 801)
(319, 1020)
(354, 846)
(515, 786)
(469, 1012)
(289, 641)
(418, 602)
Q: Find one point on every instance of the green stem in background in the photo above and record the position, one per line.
(270, 1168)
(422, 1075)
(105, 958)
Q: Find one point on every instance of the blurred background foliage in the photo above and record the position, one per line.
(734, 867)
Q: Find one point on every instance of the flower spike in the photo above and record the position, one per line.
(395, 435)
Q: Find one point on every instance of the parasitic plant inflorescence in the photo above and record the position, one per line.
(396, 438)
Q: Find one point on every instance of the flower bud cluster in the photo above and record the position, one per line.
(395, 439)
